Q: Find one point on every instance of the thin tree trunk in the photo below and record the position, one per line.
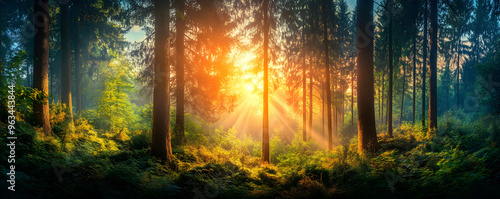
(414, 73)
(311, 82)
(352, 97)
(41, 65)
(66, 62)
(265, 133)
(458, 73)
(424, 62)
(160, 144)
(323, 111)
(327, 75)
(367, 134)
(179, 111)
(403, 95)
(304, 94)
(78, 62)
(389, 97)
(433, 67)
(383, 95)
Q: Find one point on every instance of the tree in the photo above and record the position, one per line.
(424, 61)
(433, 69)
(66, 62)
(41, 65)
(367, 134)
(304, 89)
(391, 73)
(180, 25)
(265, 130)
(327, 74)
(78, 57)
(160, 145)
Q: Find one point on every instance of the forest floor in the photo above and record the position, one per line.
(461, 161)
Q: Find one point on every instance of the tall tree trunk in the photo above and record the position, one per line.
(304, 76)
(78, 61)
(414, 73)
(403, 95)
(311, 82)
(383, 95)
(327, 75)
(367, 134)
(380, 102)
(265, 132)
(352, 97)
(41, 64)
(304, 94)
(433, 67)
(424, 62)
(179, 111)
(160, 144)
(391, 74)
(458, 73)
(66, 62)
(323, 111)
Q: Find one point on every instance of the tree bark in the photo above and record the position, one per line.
(179, 114)
(66, 62)
(304, 94)
(458, 72)
(41, 65)
(265, 130)
(433, 67)
(327, 75)
(403, 95)
(424, 62)
(160, 144)
(391, 74)
(304, 99)
(414, 73)
(367, 134)
(352, 97)
(311, 82)
(78, 61)
(383, 95)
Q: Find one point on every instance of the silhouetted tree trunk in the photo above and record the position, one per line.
(66, 61)
(327, 75)
(433, 66)
(304, 93)
(414, 72)
(458, 72)
(367, 134)
(352, 97)
(78, 61)
(323, 110)
(41, 64)
(383, 95)
(160, 144)
(265, 132)
(391, 74)
(424, 62)
(380, 101)
(403, 95)
(311, 82)
(180, 25)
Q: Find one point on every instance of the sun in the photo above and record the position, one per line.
(250, 88)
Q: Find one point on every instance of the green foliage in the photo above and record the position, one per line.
(411, 164)
(114, 110)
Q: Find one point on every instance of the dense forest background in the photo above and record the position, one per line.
(250, 98)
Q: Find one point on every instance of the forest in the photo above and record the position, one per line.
(282, 99)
